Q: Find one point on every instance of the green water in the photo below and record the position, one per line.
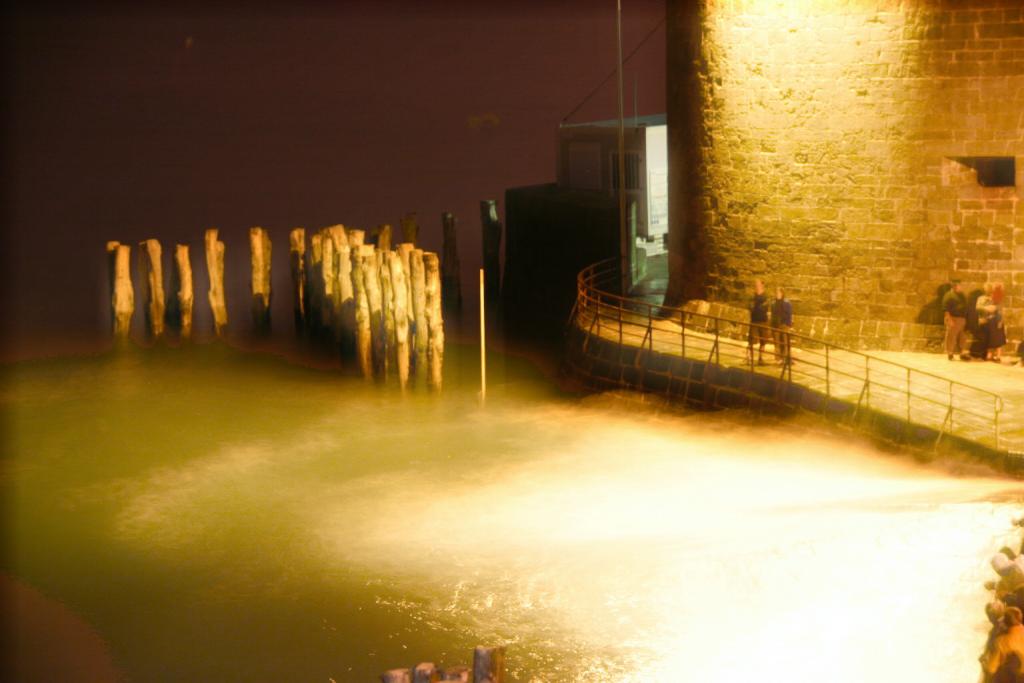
(222, 516)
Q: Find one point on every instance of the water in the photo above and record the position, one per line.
(221, 516)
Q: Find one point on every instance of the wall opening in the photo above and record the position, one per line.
(992, 171)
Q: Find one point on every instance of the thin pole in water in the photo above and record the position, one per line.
(483, 342)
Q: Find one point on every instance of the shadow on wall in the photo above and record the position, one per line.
(931, 312)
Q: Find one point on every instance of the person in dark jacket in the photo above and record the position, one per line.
(782, 325)
(954, 315)
(758, 323)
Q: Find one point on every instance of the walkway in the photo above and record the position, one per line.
(980, 401)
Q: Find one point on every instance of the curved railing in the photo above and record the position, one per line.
(870, 382)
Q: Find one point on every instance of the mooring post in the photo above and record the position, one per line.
(410, 228)
(483, 341)
(488, 664)
(456, 673)
(387, 310)
(419, 308)
(491, 227)
(450, 279)
(327, 282)
(315, 284)
(426, 672)
(397, 676)
(297, 255)
(259, 247)
(371, 274)
(153, 277)
(362, 306)
(400, 307)
(435, 323)
(215, 270)
(122, 294)
(384, 237)
(339, 253)
(185, 295)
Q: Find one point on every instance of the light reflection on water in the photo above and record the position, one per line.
(601, 543)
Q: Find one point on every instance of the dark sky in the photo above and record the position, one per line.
(124, 122)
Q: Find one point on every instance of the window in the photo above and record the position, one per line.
(992, 171)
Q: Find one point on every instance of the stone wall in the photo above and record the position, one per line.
(839, 154)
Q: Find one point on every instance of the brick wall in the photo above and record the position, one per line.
(833, 162)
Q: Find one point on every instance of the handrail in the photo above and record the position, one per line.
(916, 396)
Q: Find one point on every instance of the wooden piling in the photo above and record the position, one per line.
(425, 672)
(122, 294)
(384, 237)
(410, 228)
(215, 270)
(399, 308)
(450, 278)
(488, 664)
(396, 676)
(346, 293)
(259, 247)
(153, 277)
(491, 228)
(456, 673)
(297, 255)
(182, 278)
(314, 285)
(417, 274)
(362, 311)
(356, 238)
(371, 275)
(387, 310)
(339, 255)
(327, 282)
(435, 324)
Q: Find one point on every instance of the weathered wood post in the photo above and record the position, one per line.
(400, 307)
(327, 282)
(181, 278)
(488, 664)
(363, 338)
(425, 672)
(356, 238)
(456, 673)
(419, 308)
(450, 278)
(122, 294)
(215, 269)
(396, 676)
(384, 237)
(259, 246)
(435, 324)
(314, 283)
(153, 277)
(491, 227)
(387, 310)
(339, 254)
(371, 274)
(297, 254)
(410, 228)
(347, 314)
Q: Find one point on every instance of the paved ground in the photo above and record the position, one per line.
(965, 398)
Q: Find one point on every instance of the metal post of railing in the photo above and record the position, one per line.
(682, 333)
(995, 417)
(650, 330)
(717, 360)
(597, 313)
(952, 410)
(867, 379)
(618, 308)
(908, 396)
(828, 376)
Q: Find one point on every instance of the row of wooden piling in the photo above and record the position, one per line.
(488, 667)
(380, 305)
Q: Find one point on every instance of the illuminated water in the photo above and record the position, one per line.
(216, 516)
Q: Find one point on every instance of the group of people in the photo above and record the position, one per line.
(776, 328)
(990, 331)
(1003, 658)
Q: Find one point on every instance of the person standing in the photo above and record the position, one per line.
(782, 326)
(758, 323)
(995, 333)
(954, 315)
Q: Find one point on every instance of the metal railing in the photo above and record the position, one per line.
(868, 382)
